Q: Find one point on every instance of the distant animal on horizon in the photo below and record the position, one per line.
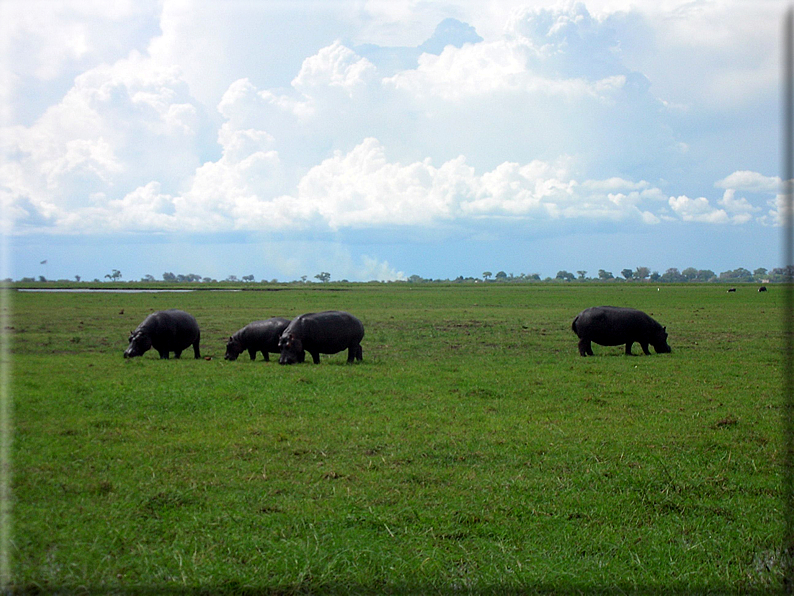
(327, 332)
(762, 289)
(259, 336)
(614, 326)
(731, 289)
(165, 331)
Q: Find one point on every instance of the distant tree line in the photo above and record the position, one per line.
(639, 274)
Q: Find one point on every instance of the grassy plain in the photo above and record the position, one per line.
(472, 450)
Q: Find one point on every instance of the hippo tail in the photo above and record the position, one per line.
(573, 325)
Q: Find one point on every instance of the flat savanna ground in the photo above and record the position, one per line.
(472, 450)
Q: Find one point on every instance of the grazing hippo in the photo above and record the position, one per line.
(166, 331)
(613, 326)
(259, 336)
(762, 289)
(326, 332)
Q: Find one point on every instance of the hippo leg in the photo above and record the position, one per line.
(585, 347)
(265, 355)
(252, 354)
(628, 348)
(645, 349)
(177, 353)
(163, 354)
(354, 353)
(196, 353)
(359, 353)
(315, 357)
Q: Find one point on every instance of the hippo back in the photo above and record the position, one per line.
(258, 335)
(166, 331)
(614, 325)
(326, 332)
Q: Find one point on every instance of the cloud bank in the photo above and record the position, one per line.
(552, 116)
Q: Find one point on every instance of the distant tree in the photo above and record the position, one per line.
(782, 273)
(486, 275)
(501, 276)
(323, 276)
(641, 273)
(42, 278)
(655, 276)
(190, 277)
(248, 278)
(740, 274)
(114, 276)
(581, 273)
(690, 273)
(672, 275)
(207, 280)
(415, 279)
(168, 276)
(533, 277)
(627, 273)
(705, 275)
(77, 278)
(303, 278)
(148, 277)
(760, 273)
(565, 275)
(232, 278)
(604, 275)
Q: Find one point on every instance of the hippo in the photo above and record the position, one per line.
(613, 326)
(166, 331)
(325, 332)
(762, 289)
(259, 336)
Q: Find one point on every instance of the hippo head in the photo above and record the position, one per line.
(139, 343)
(233, 349)
(660, 342)
(291, 350)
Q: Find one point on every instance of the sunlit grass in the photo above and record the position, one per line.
(471, 449)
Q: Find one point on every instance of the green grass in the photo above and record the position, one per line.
(472, 450)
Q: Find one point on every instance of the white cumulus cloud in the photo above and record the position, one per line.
(750, 181)
(698, 209)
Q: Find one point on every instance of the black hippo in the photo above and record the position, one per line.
(326, 332)
(762, 289)
(613, 326)
(166, 331)
(259, 336)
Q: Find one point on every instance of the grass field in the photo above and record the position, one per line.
(472, 450)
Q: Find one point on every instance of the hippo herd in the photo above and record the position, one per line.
(333, 331)
(326, 332)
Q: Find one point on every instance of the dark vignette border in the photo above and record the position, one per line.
(787, 558)
(788, 309)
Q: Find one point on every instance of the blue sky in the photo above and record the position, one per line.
(381, 139)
